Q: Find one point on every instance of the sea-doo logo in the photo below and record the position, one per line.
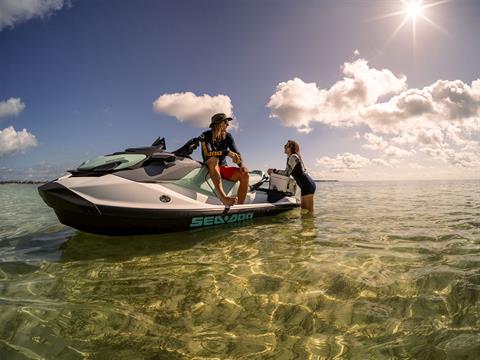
(219, 219)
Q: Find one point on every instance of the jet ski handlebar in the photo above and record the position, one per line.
(187, 149)
(184, 151)
(160, 143)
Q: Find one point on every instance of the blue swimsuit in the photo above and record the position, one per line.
(296, 168)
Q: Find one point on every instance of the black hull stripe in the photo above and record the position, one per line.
(113, 222)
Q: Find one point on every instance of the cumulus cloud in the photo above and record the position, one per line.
(397, 152)
(377, 98)
(343, 162)
(402, 120)
(18, 11)
(457, 99)
(363, 85)
(432, 136)
(448, 155)
(11, 107)
(381, 162)
(437, 105)
(188, 107)
(441, 120)
(348, 162)
(298, 104)
(374, 142)
(12, 141)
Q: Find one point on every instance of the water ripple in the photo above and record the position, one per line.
(383, 270)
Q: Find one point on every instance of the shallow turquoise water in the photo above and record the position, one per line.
(384, 270)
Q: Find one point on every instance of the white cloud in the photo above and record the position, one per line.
(381, 162)
(17, 11)
(356, 52)
(444, 102)
(459, 158)
(433, 136)
(397, 152)
(402, 121)
(298, 104)
(374, 142)
(456, 99)
(11, 107)
(12, 141)
(363, 85)
(191, 108)
(377, 143)
(343, 162)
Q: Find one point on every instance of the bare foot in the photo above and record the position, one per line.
(229, 201)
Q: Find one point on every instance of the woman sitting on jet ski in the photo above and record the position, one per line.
(296, 168)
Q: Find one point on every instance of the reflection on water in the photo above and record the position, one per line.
(382, 271)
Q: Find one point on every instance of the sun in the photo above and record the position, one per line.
(413, 10)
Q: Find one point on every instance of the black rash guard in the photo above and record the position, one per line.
(296, 168)
(218, 148)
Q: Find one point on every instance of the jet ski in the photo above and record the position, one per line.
(149, 191)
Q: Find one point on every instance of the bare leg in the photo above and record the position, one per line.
(243, 188)
(307, 202)
(214, 171)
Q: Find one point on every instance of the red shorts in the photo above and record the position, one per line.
(226, 172)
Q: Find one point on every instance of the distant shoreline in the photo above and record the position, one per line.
(26, 182)
(43, 182)
(22, 182)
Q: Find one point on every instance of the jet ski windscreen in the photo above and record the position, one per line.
(112, 162)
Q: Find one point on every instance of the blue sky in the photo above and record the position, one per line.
(82, 77)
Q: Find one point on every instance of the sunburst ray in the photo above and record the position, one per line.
(413, 9)
(395, 32)
(436, 26)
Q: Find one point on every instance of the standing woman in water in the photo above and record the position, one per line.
(296, 168)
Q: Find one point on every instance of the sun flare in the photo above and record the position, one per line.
(413, 10)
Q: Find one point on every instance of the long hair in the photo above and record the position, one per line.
(217, 133)
(294, 147)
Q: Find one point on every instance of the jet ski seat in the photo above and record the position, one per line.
(199, 180)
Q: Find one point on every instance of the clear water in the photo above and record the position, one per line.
(382, 271)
